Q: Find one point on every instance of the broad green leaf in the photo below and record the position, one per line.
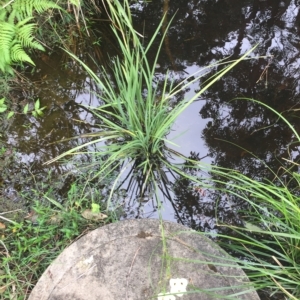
(25, 110)
(37, 104)
(89, 215)
(39, 112)
(35, 114)
(3, 108)
(10, 114)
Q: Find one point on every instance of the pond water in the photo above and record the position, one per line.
(237, 134)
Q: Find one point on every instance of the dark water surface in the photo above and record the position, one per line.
(238, 134)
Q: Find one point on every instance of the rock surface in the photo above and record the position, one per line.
(130, 260)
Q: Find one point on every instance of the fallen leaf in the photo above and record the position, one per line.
(252, 227)
(56, 219)
(2, 289)
(2, 226)
(90, 215)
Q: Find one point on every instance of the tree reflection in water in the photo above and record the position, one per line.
(241, 135)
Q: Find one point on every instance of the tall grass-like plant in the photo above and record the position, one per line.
(135, 117)
(134, 124)
(269, 242)
(268, 245)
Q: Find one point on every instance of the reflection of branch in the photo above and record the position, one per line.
(126, 177)
(164, 188)
(176, 211)
(265, 72)
(265, 127)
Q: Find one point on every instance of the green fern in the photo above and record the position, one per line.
(24, 34)
(18, 54)
(17, 31)
(20, 9)
(7, 34)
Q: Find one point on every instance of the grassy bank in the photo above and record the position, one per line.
(268, 241)
(29, 245)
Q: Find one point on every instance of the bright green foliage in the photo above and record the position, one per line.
(3, 106)
(16, 30)
(28, 246)
(269, 244)
(135, 119)
(38, 111)
(21, 9)
(95, 208)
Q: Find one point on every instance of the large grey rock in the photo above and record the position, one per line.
(129, 260)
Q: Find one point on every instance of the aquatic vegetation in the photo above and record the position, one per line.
(134, 121)
(267, 244)
(137, 114)
(30, 244)
(269, 241)
(133, 126)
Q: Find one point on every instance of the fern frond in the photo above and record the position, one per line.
(23, 22)
(25, 8)
(16, 30)
(19, 55)
(24, 34)
(7, 34)
(3, 15)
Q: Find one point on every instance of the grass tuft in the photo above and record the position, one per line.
(136, 114)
